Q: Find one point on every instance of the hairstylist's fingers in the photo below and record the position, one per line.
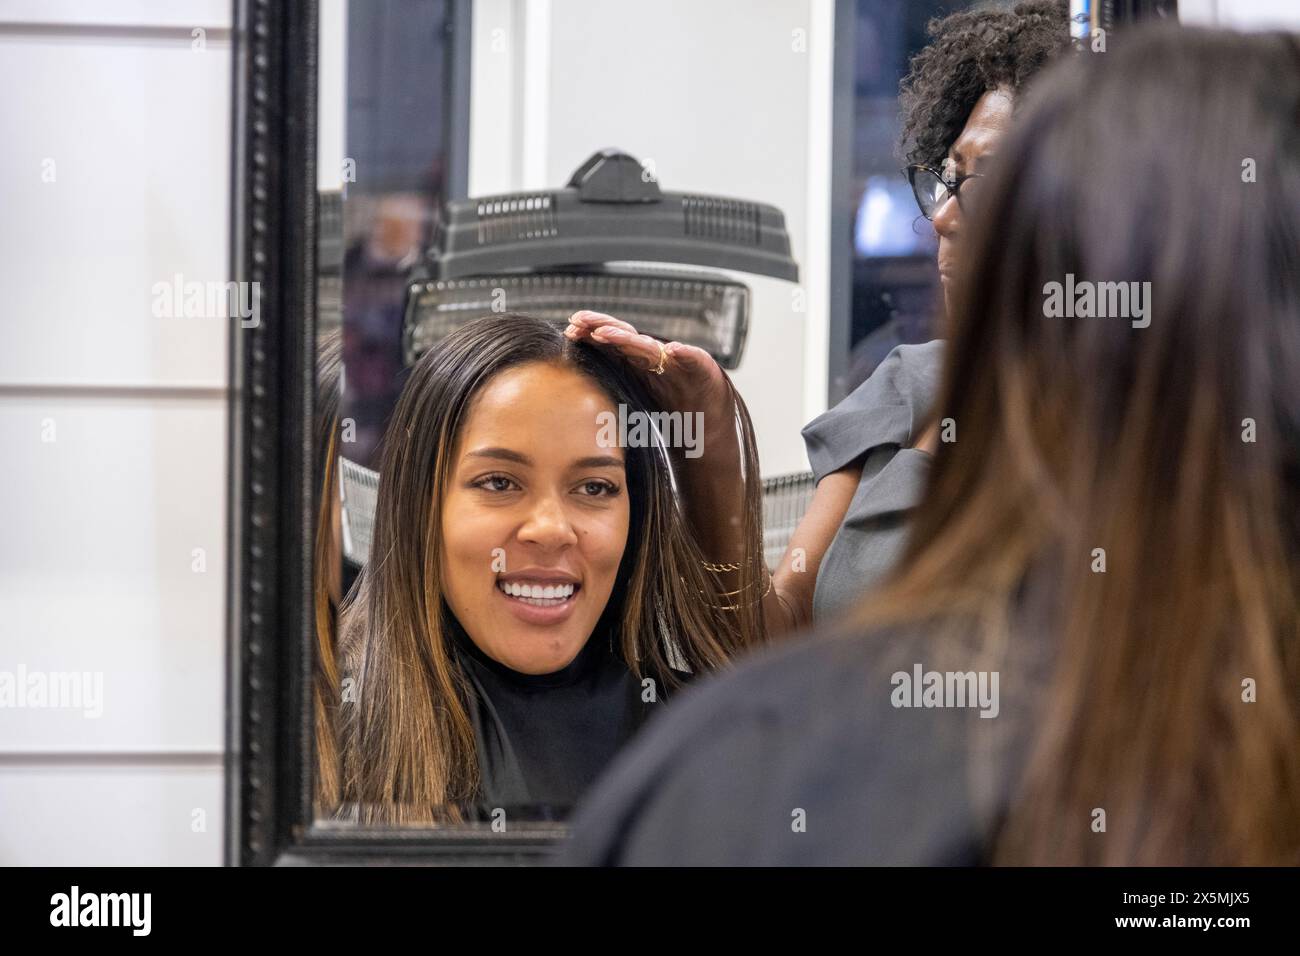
(583, 324)
(579, 332)
(608, 330)
(631, 345)
(692, 358)
(586, 319)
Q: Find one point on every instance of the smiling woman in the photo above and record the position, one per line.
(531, 483)
(533, 593)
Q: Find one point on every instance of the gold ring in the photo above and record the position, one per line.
(663, 357)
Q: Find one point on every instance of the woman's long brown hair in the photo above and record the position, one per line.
(407, 740)
(1173, 158)
(325, 558)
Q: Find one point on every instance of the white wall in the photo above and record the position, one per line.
(331, 95)
(115, 176)
(1241, 14)
(723, 96)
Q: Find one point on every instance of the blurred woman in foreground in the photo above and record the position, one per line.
(1091, 652)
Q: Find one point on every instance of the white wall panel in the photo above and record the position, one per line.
(111, 813)
(137, 130)
(98, 13)
(114, 425)
(115, 564)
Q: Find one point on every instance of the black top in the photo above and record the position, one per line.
(800, 756)
(543, 739)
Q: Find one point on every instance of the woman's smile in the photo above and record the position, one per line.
(537, 598)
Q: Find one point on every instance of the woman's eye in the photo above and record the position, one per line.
(494, 483)
(596, 489)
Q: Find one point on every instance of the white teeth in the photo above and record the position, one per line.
(542, 595)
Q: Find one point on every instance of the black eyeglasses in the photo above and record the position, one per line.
(932, 190)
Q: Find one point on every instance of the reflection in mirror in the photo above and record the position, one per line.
(540, 594)
(504, 594)
(327, 562)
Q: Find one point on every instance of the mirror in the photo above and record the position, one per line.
(527, 617)
(402, 681)
(406, 166)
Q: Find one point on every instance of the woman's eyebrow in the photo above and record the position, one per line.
(506, 454)
(501, 454)
(599, 461)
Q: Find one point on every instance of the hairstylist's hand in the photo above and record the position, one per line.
(691, 381)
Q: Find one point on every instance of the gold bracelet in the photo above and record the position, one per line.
(737, 607)
(747, 587)
(719, 568)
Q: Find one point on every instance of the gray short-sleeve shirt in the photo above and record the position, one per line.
(876, 423)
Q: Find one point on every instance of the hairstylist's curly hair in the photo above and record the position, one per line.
(972, 52)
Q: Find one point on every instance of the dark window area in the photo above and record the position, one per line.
(398, 103)
(894, 281)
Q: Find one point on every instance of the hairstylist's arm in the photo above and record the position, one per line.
(817, 529)
(712, 484)
(795, 578)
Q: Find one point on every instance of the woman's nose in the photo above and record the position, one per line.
(947, 218)
(547, 525)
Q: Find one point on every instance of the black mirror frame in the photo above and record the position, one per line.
(269, 734)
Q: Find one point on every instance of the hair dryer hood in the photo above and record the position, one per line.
(612, 210)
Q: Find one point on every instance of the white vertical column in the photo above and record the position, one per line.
(331, 94)
(815, 269)
(536, 93)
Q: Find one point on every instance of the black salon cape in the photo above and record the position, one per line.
(798, 757)
(543, 739)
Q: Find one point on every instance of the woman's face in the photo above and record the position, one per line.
(970, 153)
(534, 517)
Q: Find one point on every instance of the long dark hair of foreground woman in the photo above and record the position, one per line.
(1173, 447)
